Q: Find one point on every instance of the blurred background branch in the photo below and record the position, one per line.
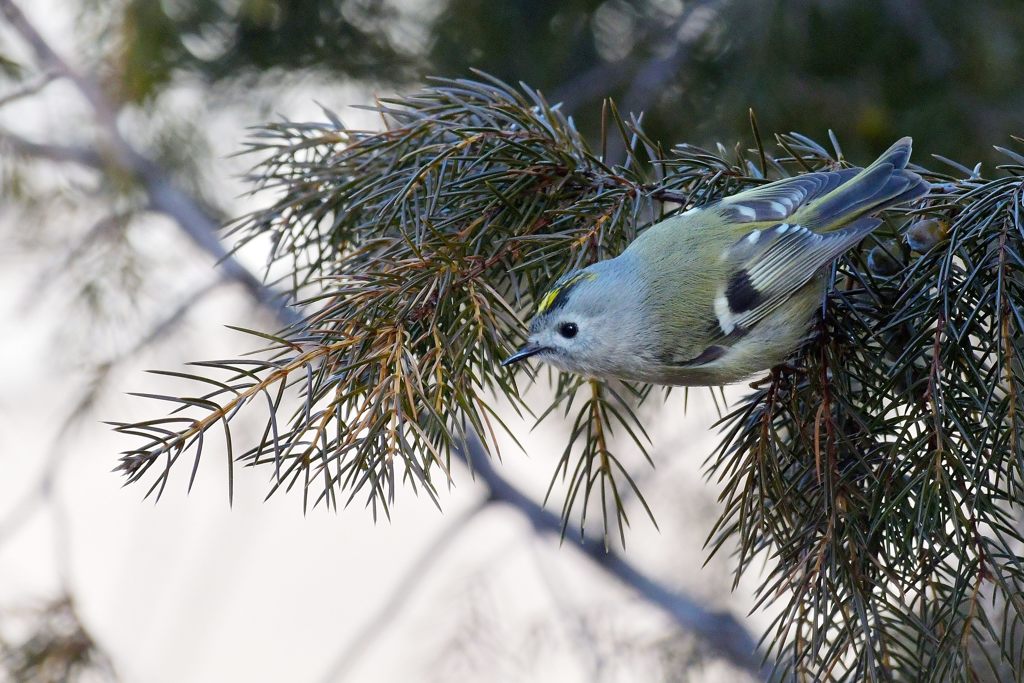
(722, 633)
(168, 89)
(123, 158)
(115, 156)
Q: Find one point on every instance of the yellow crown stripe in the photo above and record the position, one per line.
(549, 299)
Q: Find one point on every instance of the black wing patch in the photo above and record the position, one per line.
(741, 294)
(770, 265)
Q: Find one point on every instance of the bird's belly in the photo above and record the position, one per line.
(765, 346)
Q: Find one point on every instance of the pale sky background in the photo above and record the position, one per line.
(191, 590)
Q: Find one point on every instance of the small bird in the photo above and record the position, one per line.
(717, 293)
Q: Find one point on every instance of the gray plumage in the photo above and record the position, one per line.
(716, 293)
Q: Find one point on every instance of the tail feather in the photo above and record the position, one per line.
(884, 183)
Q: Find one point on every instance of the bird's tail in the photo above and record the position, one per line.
(884, 183)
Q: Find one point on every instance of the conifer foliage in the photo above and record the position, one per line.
(880, 471)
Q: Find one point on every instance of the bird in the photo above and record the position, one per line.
(716, 293)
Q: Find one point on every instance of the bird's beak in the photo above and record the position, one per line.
(530, 349)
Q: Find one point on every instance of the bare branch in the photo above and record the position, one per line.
(59, 153)
(52, 62)
(28, 89)
(39, 494)
(119, 154)
(721, 631)
(410, 581)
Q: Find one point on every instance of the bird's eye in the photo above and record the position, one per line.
(568, 330)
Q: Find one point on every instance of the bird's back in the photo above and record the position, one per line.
(695, 255)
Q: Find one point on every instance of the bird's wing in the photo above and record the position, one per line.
(767, 266)
(779, 200)
(826, 200)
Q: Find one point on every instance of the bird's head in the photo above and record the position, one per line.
(587, 322)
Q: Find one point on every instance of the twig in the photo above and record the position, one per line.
(577, 630)
(52, 62)
(164, 195)
(27, 90)
(61, 153)
(410, 581)
(720, 630)
(40, 493)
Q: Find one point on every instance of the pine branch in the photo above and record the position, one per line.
(418, 246)
(880, 469)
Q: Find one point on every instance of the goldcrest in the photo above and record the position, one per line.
(719, 292)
